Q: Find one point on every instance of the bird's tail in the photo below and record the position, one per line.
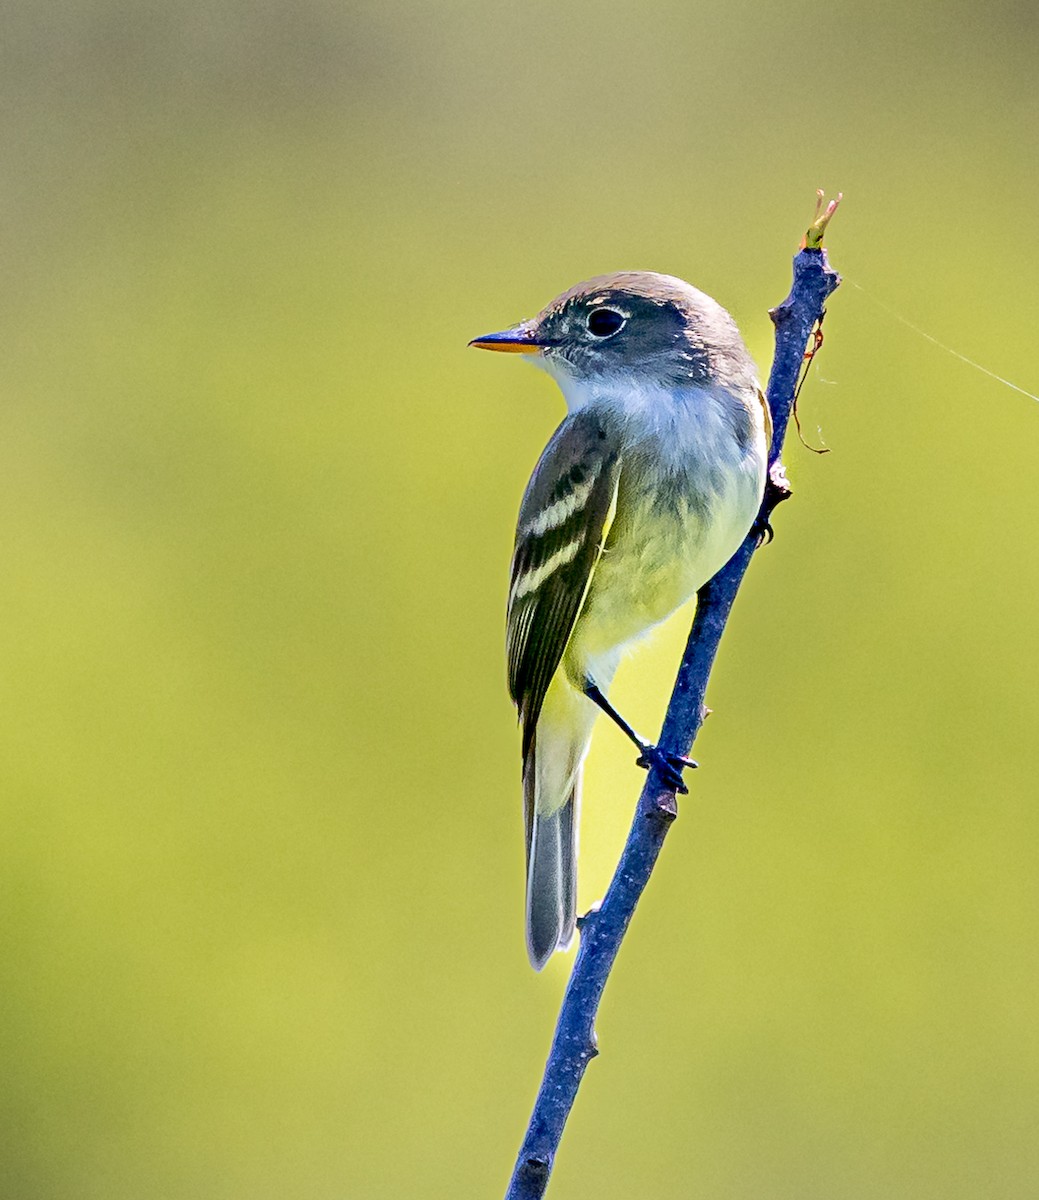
(552, 793)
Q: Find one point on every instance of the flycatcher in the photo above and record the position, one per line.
(644, 491)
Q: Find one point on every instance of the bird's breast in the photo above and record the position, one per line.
(690, 486)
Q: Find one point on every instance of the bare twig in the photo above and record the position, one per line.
(602, 930)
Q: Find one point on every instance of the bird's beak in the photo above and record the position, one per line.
(520, 339)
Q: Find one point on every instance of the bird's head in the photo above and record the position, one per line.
(634, 323)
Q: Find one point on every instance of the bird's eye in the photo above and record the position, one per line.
(604, 322)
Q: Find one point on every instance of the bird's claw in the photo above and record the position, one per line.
(669, 764)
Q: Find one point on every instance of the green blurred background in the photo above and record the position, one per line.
(262, 860)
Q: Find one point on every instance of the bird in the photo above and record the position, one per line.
(645, 490)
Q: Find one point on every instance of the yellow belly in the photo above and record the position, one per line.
(655, 559)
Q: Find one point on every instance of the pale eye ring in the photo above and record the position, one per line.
(605, 322)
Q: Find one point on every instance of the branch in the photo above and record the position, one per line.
(602, 930)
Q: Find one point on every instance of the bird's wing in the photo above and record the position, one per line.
(563, 522)
(767, 411)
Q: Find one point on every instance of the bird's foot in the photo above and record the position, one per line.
(763, 531)
(669, 765)
(777, 489)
